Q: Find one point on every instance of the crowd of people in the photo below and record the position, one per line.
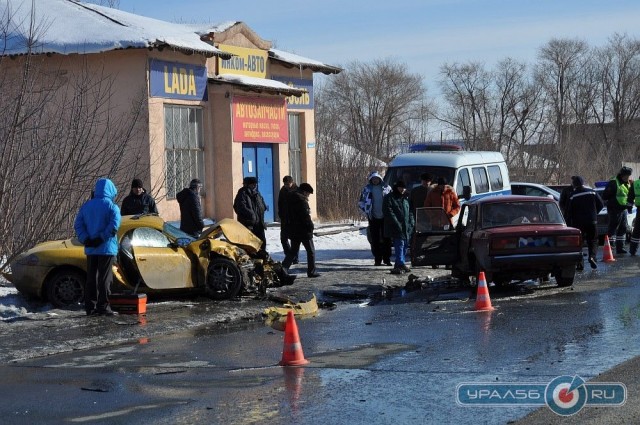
(580, 205)
(391, 213)
(98, 221)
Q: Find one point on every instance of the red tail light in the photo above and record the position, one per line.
(504, 243)
(569, 241)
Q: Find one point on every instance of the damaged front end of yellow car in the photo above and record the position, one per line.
(231, 260)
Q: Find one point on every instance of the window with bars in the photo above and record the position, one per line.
(184, 147)
(295, 160)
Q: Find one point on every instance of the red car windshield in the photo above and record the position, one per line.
(520, 213)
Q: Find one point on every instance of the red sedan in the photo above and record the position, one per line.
(507, 237)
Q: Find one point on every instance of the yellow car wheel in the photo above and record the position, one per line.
(223, 279)
(65, 288)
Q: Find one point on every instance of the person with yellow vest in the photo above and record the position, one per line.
(634, 198)
(615, 195)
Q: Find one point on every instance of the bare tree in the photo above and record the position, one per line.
(59, 132)
(469, 108)
(376, 103)
(364, 117)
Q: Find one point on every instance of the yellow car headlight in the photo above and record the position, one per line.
(29, 260)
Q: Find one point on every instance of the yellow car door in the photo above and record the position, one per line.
(161, 264)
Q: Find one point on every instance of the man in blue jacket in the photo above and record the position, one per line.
(96, 226)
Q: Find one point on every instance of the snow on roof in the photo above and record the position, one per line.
(258, 83)
(68, 26)
(206, 29)
(301, 61)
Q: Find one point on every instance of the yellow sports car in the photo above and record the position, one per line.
(153, 257)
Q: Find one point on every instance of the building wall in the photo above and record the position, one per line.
(169, 208)
(223, 157)
(308, 142)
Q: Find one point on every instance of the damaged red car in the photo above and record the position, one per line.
(508, 237)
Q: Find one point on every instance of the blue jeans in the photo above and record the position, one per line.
(400, 246)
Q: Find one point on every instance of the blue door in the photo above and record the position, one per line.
(257, 161)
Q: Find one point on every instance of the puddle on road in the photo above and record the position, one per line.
(358, 357)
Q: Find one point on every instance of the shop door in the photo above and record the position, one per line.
(257, 161)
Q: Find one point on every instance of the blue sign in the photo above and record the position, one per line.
(294, 102)
(175, 80)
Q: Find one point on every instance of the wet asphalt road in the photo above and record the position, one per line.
(395, 361)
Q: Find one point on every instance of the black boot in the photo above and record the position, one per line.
(620, 247)
(633, 248)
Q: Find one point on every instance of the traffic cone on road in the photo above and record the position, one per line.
(607, 255)
(483, 301)
(292, 354)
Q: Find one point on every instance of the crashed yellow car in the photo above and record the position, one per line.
(153, 257)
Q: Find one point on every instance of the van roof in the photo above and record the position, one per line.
(453, 159)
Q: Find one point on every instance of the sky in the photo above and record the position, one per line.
(419, 34)
(355, 250)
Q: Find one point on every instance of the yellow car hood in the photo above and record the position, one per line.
(236, 234)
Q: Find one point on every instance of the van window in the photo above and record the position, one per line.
(495, 177)
(480, 179)
(463, 180)
(411, 175)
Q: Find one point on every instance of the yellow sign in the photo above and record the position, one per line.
(249, 62)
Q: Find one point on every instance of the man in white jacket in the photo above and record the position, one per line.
(371, 206)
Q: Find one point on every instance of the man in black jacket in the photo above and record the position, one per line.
(301, 228)
(288, 186)
(250, 207)
(138, 201)
(582, 212)
(191, 220)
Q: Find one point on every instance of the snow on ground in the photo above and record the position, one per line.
(348, 246)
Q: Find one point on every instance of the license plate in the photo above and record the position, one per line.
(532, 242)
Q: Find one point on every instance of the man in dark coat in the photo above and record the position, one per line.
(582, 212)
(419, 193)
(288, 186)
(250, 207)
(398, 224)
(301, 228)
(191, 220)
(615, 195)
(138, 201)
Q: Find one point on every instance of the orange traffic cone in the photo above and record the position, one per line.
(292, 354)
(607, 256)
(483, 302)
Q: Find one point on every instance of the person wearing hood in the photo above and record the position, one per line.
(191, 220)
(445, 197)
(370, 203)
(582, 213)
(138, 201)
(398, 224)
(96, 226)
(616, 194)
(249, 205)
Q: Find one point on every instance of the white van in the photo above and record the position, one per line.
(471, 174)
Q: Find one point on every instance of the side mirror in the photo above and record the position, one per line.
(466, 192)
(182, 242)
